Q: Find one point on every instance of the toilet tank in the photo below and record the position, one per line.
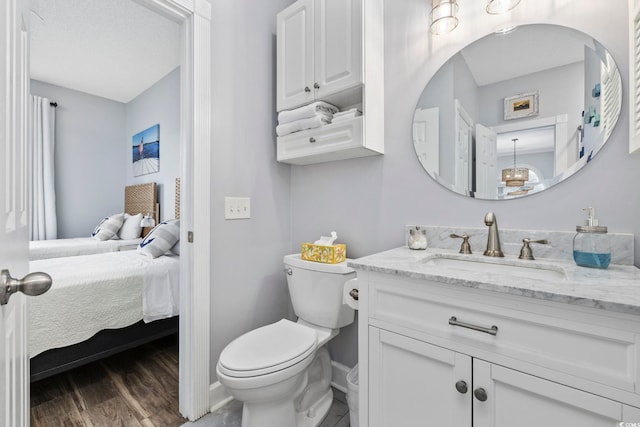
(316, 291)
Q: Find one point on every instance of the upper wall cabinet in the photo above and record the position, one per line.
(634, 75)
(319, 50)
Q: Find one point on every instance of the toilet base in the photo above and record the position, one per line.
(313, 416)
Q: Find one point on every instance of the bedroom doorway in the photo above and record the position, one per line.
(193, 18)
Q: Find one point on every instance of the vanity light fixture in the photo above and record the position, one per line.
(515, 177)
(443, 16)
(496, 7)
(147, 221)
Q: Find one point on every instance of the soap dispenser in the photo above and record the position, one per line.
(591, 245)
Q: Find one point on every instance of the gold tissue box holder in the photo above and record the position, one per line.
(328, 254)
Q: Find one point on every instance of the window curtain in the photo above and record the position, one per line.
(42, 197)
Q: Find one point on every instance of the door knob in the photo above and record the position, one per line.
(480, 394)
(32, 284)
(461, 386)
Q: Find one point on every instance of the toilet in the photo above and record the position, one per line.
(282, 372)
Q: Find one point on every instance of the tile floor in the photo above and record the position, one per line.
(230, 415)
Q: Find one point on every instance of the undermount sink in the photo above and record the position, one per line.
(498, 266)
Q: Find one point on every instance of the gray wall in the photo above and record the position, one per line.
(160, 104)
(249, 287)
(368, 201)
(90, 173)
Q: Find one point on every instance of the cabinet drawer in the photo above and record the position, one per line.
(334, 141)
(592, 347)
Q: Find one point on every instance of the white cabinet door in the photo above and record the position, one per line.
(412, 383)
(295, 55)
(338, 45)
(517, 399)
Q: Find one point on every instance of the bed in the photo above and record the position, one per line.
(101, 304)
(138, 199)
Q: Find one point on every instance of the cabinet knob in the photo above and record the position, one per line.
(316, 85)
(306, 89)
(461, 386)
(312, 139)
(480, 394)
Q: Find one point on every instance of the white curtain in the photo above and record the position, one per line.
(42, 197)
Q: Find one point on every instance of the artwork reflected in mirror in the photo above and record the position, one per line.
(513, 114)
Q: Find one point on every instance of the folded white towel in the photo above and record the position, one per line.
(350, 112)
(306, 112)
(298, 125)
(347, 116)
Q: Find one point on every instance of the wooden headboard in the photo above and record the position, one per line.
(142, 198)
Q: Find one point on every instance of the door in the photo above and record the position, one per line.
(338, 45)
(14, 84)
(412, 383)
(486, 162)
(463, 139)
(294, 60)
(512, 398)
(426, 138)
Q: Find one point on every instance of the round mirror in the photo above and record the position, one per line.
(513, 114)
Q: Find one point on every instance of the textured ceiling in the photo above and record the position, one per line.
(115, 49)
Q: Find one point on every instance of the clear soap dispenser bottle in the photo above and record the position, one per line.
(591, 245)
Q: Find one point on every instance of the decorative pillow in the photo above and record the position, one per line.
(108, 227)
(160, 239)
(131, 228)
(175, 249)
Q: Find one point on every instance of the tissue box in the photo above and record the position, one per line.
(328, 254)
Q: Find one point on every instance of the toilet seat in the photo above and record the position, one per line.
(268, 349)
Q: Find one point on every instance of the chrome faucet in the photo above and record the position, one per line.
(493, 240)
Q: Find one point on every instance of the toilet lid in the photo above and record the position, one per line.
(268, 349)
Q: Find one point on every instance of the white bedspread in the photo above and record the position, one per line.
(58, 248)
(101, 291)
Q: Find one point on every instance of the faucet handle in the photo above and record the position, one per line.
(465, 248)
(526, 252)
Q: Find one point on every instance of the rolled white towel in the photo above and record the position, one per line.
(349, 112)
(348, 115)
(306, 112)
(298, 125)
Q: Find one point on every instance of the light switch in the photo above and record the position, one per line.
(237, 207)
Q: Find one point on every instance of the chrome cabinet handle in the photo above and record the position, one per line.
(316, 85)
(480, 394)
(306, 89)
(288, 271)
(312, 140)
(491, 331)
(353, 293)
(32, 284)
(461, 386)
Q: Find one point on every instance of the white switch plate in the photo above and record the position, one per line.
(237, 207)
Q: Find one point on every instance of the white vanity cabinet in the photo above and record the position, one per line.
(332, 50)
(548, 364)
(319, 50)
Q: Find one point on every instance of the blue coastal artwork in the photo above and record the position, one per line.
(146, 151)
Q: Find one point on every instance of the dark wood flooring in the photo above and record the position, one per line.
(138, 387)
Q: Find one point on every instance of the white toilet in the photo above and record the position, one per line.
(282, 371)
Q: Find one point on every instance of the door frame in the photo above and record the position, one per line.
(194, 17)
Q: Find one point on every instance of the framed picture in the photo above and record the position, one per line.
(146, 151)
(521, 105)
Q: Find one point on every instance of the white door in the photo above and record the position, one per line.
(513, 398)
(412, 383)
(14, 382)
(486, 162)
(294, 74)
(426, 138)
(463, 134)
(338, 45)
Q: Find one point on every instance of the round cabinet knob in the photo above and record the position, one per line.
(461, 386)
(480, 394)
(316, 86)
(312, 139)
(306, 89)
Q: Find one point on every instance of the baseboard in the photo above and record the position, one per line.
(218, 396)
(339, 377)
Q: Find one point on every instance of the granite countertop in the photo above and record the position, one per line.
(615, 289)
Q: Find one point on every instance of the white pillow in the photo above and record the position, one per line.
(108, 227)
(131, 228)
(160, 239)
(175, 249)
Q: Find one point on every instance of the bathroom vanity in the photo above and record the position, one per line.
(447, 339)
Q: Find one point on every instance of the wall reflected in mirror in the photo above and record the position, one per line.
(553, 89)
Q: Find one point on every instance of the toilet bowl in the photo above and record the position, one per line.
(282, 371)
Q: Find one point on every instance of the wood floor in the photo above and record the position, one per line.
(135, 388)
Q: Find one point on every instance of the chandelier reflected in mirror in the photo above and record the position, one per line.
(515, 177)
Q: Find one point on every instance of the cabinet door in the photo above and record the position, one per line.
(338, 46)
(295, 55)
(412, 383)
(517, 399)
